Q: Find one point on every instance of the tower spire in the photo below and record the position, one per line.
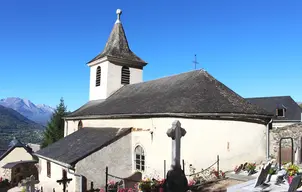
(117, 46)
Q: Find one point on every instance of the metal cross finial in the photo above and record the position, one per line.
(195, 61)
(118, 12)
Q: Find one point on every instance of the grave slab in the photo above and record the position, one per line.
(249, 186)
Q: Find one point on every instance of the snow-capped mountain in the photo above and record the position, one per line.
(39, 113)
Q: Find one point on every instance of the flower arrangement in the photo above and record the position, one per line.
(292, 169)
(251, 167)
(146, 185)
(112, 186)
(157, 185)
(218, 174)
(191, 183)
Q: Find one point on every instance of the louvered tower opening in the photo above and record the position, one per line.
(98, 76)
(125, 75)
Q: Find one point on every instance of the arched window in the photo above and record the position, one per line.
(139, 158)
(98, 76)
(125, 75)
(80, 125)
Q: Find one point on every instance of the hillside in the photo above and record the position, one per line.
(39, 113)
(13, 124)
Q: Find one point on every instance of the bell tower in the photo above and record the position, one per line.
(115, 66)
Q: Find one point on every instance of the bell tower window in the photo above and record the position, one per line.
(125, 79)
(98, 76)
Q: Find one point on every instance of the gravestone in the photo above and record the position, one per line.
(130, 181)
(239, 169)
(263, 175)
(29, 183)
(176, 180)
(244, 166)
(295, 184)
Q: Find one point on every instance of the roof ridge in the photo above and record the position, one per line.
(169, 76)
(268, 97)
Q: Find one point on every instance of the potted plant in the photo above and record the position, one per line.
(251, 168)
(271, 172)
(145, 185)
(291, 170)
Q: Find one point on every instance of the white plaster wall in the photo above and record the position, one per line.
(110, 79)
(136, 75)
(234, 141)
(282, 124)
(72, 126)
(100, 91)
(18, 154)
(50, 183)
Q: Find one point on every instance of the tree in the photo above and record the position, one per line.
(300, 105)
(55, 127)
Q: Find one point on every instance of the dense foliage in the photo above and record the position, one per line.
(55, 127)
(13, 124)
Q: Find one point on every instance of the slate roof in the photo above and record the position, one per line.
(293, 111)
(117, 47)
(81, 144)
(2, 151)
(13, 164)
(195, 92)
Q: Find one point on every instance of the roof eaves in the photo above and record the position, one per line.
(63, 164)
(187, 115)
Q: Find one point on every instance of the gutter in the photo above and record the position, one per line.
(66, 166)
(287, 120)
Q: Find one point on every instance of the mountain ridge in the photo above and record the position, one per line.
(39, 113)
(13, 124)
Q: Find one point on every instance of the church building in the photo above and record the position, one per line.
(123, 125)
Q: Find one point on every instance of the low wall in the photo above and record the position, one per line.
(293, 131)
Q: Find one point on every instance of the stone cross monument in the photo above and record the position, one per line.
(176, 180)
(176, 132)
(29, 183)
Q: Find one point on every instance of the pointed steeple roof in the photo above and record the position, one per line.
(117, 47)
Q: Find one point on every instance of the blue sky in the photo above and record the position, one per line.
(253, 47)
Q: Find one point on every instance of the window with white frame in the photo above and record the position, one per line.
(139, 158)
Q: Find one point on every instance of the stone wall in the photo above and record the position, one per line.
(294, 131)
(117, 156)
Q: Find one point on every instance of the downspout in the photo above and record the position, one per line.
(268, 140)
(77, 175)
